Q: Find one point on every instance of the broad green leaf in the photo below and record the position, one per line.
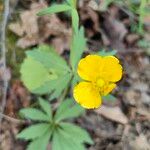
(56, 8)
(75, 20)
(34, 114)
(49, 58)
(46, 107)
(109, 97)
(55, 86)
(43, 69)
(33, 131)
(41, 142)
(63, 106)
(62, 141)
(78, 46)
(105, 53)
(61, 85)
(34, 74)
(68, 110)
(74, 130)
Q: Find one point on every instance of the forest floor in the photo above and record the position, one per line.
(123, 124)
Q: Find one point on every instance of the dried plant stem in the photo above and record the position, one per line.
(3, 54)
(14, 120)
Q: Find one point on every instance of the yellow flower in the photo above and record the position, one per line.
(100, 75)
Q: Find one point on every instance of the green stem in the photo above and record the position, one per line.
(65, 91)
(141, 16)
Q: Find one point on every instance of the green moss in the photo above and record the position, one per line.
(14, 55)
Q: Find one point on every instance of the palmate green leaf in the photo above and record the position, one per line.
(56, 8)
(55, 86)
(46, 107)
(67, 110)
(61, 85)
(61, 141)
(77, 48)
(75, 19)
(34, 114)
(41, 142)
(34, 74)
(33, 131)
(42, 68)
(74, 130)
(107, 53)
(49, 58)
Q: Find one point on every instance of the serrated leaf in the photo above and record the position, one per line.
(61, 85)
(56, 8)
(41, 142)
(74, 130)
(109, 97)
(46, 107)
(68, 110)
(34, 114)
(75, 19)
(105, 53)
(55, 86)
(62, 141)
(33, 131)
(34, 74)
(43, 68)
(49, 58)
(77, 47)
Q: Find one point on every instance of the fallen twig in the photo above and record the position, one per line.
(3, 54)
(14, 120)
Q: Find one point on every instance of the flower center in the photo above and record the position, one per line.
(100, 83)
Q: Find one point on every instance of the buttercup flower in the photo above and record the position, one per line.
(99, 75)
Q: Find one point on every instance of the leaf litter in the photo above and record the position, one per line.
(124, 125)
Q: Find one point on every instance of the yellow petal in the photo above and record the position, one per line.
(86, 95)
(89, 68)
(109, 88)
(112, 70)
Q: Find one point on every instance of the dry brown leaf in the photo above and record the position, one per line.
(93, 5)
(144, 113)
(27, 41)
(132, 97)
(91, 19)
(34, 30)
(116, 28)
(141, 86)
(29, 22)
(113, 113)
(28, 26)
(140, 143)
(18, 97)
(60, 44)
(115, 31)
(8, 134)
(16, 28)
(132, 38)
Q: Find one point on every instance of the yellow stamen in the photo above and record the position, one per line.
(100, 83)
